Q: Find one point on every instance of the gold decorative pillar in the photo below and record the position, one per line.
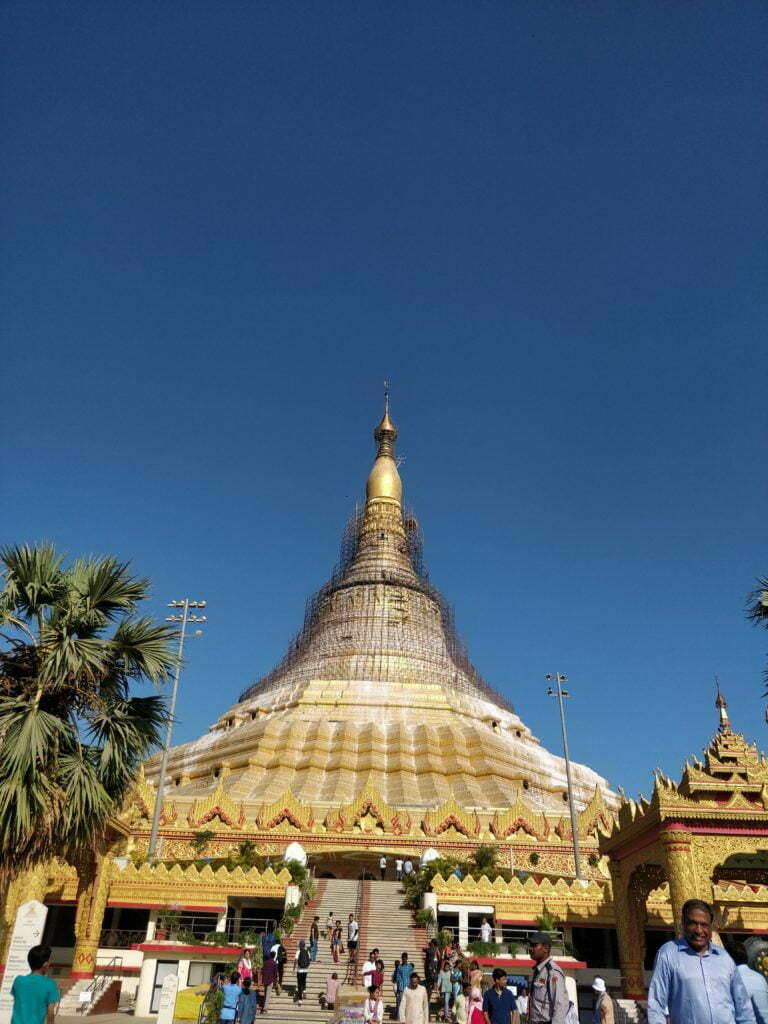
(92, 890)
(630, 931)
(680, 868)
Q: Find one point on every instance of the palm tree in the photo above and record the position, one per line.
(72, 736)
(757, 610)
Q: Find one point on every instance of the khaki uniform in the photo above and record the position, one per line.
(547, 997)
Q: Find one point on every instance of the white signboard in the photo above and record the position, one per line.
(168, 999)
(27, 932)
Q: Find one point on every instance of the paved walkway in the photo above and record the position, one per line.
(107, 1018)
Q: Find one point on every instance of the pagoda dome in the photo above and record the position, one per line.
(375, 697)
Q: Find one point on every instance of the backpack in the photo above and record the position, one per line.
(282, 954)
(304, 958)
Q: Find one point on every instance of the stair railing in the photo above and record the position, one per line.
(99, 983)
(349, 978)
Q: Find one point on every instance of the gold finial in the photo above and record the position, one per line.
(384, 480)
(385, 433)
(721, 704)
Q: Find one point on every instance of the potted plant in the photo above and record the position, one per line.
(168, 923)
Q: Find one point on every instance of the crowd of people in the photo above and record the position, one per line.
(694, 981)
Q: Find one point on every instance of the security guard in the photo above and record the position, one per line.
(548, 1001)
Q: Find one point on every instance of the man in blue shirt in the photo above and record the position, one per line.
(499, 1006)
(754, 983)
(35, 996)
(229, 996)
(401, 979)
(694, 981)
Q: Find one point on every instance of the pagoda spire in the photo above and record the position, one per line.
(721, 704)
(384, 479)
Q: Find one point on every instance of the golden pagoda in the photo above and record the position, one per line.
(375, 722)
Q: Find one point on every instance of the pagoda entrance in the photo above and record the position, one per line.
(351, 864)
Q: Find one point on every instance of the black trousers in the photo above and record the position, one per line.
(301, 984)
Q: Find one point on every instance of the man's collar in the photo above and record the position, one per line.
(542, 964)
(683, 944)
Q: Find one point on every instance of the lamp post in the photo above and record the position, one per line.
(183, 618)
(560, 693)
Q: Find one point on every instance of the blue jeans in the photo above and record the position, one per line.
(313, 951)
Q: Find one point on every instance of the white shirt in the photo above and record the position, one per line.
(485, 932)
(374, 1010)
(352, 929)
(414, 1006)
(399, 865)
(408, 867)
(383, 862)
(368, 968)
(300, 970)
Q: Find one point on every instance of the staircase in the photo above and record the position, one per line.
(384, 923)
(70, 1001)
(340, 897)
(388, 926)
(630, 1011)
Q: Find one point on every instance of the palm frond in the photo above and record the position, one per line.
(30, 738)
(104, 586)
(126, 731)
(68, 657)
(757, 606)
(33, 577)
(144, 648)
(87, 804)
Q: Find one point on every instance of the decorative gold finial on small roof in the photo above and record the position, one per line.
(721, 704)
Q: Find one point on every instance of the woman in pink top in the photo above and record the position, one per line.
(244, 965)
(475, 1013)
(331, 988)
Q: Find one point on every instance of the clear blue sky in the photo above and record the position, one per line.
(225, 223)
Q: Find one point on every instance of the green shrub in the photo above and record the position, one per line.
(217, 938)
(212, 1004)
(547, 923)
(425, 917)
(484, 948)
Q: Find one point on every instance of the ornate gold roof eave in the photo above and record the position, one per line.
(225, 816)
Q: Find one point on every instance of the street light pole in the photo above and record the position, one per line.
(559, 679)
(184, 618)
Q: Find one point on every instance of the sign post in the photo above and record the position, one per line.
(27, 932)
(168, 999)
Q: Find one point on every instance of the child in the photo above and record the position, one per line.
(331, 988)
(445, 988)
(374, 1006)
(461, 1005)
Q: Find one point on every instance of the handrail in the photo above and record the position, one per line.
(349, 978)
(99, 982)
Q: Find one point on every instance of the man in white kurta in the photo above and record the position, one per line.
(414, 1006)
